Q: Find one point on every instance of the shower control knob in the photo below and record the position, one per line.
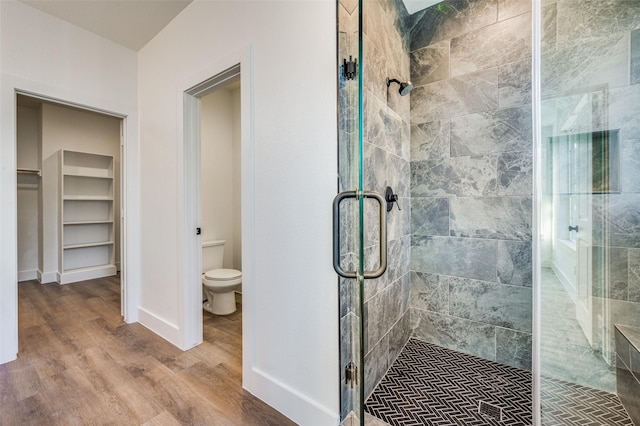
(391, 198)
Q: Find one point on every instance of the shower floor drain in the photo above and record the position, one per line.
(490, 410)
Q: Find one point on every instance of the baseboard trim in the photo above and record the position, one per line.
(290, 402)
(28, 275)
(47, 277)
(161, 327)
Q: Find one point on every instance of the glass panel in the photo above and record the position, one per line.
(590, 210)
(349, 179)
(447, 125)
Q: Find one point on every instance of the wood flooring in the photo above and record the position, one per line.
(80, 364)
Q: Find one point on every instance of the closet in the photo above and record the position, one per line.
(68, 192)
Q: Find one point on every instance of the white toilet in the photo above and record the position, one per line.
(219, 285)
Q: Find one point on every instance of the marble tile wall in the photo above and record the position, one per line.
(576, 72)
(387, 146)
(471, 178)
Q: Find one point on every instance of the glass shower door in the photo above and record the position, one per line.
(348, 227)
(359, 214)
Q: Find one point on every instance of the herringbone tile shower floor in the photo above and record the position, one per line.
(432, 385)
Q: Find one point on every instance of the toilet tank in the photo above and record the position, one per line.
(212, 255)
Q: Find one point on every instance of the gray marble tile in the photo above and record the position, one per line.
(515, 263)
(430, 63)
(374, 123)
(375, 69)
(621, 217)
(491, 303)
(403, 292)
(491, 217)
(459, 334)
(375, 324)
(503, 42)
(492, 131)
(456, 176)
(347, 296)
(350, 342)
(450, 19)
(399, 221)
(375, 365)
(618, 275)
(589, 20)
(514, 84)
(514, 348)
(510, 8)
(398, 175)
(398, 336)
(430, 216)
(583, 65)
(515, 173)
(635, 57)
(374, 286)
(430, 140)
(463, 257)
(375, 168)
(583, 112)
(630, 166)
(634, 275)
(429, 293)
(623, 110)
(549, 28)
(468, 94)
(398, 258)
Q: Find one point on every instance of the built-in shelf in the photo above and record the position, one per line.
(88, 197)
(77, 246)
(86, 222)
(87, 246)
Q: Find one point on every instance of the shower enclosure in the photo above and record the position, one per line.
(511, 245)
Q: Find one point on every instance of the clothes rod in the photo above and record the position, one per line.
(29, 172)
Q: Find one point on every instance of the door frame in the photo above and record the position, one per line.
(129, 211)
(189, 93)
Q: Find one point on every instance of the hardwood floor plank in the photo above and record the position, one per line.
(80, 364)
(163, 419)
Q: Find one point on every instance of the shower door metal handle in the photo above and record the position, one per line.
(383, 234)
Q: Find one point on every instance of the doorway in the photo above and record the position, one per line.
(69, 186)
(223, 218)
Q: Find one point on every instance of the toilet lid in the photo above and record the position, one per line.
(223, 274)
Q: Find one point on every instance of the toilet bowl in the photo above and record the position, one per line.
(220, 286)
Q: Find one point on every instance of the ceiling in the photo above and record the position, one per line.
(133, 23)
(130, 23)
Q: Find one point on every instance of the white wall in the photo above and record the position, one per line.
(28, 157)
(41, 54)
(291, 336)
(220, 165)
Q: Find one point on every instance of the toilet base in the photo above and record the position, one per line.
(220, 303)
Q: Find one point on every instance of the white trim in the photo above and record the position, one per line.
(10, 85)
(159, 326)
(299, 408)
(189, 212)
(28, 275)
(47, 277)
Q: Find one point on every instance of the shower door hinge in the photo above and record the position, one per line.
(350, 68)
(351, 374)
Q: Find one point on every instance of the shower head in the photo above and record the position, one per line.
(405, 87)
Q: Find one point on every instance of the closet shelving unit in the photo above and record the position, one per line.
(87, 247)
